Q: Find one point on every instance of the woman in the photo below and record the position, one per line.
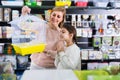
(42, 60)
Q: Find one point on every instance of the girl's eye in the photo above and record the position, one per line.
(63, 31)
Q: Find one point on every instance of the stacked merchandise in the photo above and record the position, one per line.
(6, 71)
(8, 54)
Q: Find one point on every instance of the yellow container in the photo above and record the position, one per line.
(62, 3)
(25, 48)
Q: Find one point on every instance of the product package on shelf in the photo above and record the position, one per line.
(95, 55)
(29, 34)
(1, 14)
(6, 32)
(116, 41)
(107, 40)
(9, 59)
(15, 14)
(9, 32)
(12, 60)
(0, 31)
(117, 54)
(12, 2)
(1, 49)
(103, 65)
(92, 66)
(47, 14)
(6, 68)
(81, 3)
(2, 58)
(3, 29)
(33, 2)
(84, 54)
(114, 63)
(7, 13)
(63, 2)
(96, 42)
(22, 62)
(8, 49)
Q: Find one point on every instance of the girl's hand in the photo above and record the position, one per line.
(25, 10)
(60, 46)
(50, 53)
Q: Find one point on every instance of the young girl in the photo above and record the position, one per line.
(68, 57)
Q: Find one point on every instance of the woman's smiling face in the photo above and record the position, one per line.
(56, 17)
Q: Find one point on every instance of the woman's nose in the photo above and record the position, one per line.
(55, 17)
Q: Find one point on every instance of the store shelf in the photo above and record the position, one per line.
(115, 35)
(83, 42)
(102, 60)
(1, 6)
(50, 4)
(2, 23)
(69, 7)
(5, 40)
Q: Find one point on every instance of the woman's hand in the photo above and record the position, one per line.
(42, 60)
(25, 10)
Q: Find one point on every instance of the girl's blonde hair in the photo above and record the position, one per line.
(63, 10)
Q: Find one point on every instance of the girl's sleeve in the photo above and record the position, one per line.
(69, 61)
(57, 60)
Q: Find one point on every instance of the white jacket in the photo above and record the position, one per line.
(69, 59)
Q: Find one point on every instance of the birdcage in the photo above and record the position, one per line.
(28, 34)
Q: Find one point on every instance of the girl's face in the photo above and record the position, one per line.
(65, 35)
(56, 17)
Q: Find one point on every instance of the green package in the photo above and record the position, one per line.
(96, 42)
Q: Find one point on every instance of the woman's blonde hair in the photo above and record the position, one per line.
(63, 10)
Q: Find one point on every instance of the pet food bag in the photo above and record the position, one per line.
(28, 34)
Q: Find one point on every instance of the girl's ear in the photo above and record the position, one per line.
(71, 35)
